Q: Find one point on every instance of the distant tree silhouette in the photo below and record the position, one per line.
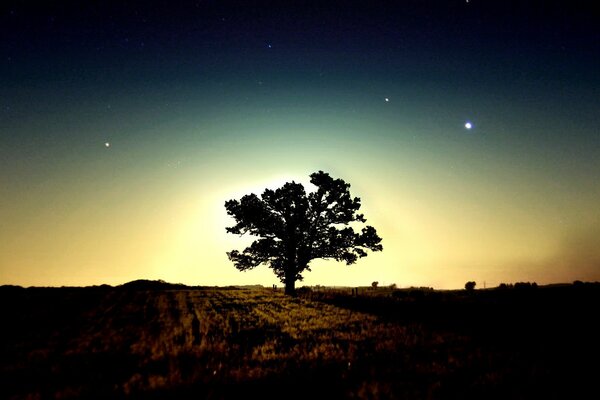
(295, 227)
(375, 284)
(470, 286)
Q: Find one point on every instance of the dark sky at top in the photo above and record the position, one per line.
(476, 41)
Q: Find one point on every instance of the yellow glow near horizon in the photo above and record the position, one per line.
(481, 220)
(181, 238)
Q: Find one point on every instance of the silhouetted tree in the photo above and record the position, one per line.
(295, 227)
(470, 286)
(375, 284)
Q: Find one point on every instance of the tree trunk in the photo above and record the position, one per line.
(290, 284)
(290, 270)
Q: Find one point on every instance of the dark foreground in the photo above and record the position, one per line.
(155, 340)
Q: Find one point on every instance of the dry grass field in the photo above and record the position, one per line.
(217, 343)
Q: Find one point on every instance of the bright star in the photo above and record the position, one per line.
(107, 144)
(387, 99)
(468, 125)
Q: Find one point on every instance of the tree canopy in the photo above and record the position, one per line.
(294, 228)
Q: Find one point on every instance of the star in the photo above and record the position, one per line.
(387, 99)
(107, 144)
(468, 125)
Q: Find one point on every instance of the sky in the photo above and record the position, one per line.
(125, 126)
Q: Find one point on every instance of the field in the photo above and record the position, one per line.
(155, 340)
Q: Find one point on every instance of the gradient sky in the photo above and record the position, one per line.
(208, 101)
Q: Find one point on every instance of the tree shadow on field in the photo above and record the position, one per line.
(519, 341)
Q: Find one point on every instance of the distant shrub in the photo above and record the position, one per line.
(393, 286)
(525, 285)
(586, 285)
(518, 286)
(375, 284)
(470, 286)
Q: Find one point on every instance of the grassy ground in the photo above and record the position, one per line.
(223, 343)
